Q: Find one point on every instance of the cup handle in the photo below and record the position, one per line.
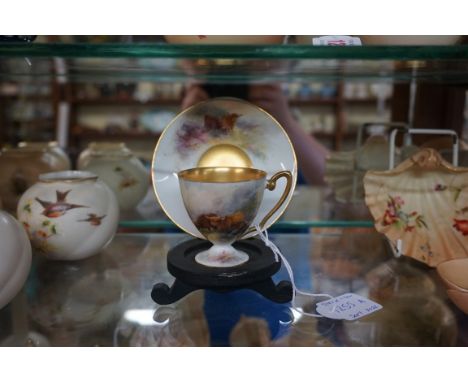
(271, 185)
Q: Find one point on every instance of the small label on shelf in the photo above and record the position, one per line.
(349, 306)
(337, 41)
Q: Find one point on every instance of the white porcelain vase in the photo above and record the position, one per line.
(120, 169)
(15, 257)
(69, 215)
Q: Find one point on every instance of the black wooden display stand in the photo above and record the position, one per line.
(255, 274)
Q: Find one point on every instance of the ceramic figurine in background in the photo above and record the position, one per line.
(122, 171)
(424, 203)
(15, 257)
(20, 168)
(345, 170)
(69, 215)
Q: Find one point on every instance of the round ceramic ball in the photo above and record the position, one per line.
(15, 257)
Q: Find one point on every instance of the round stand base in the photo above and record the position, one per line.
(253, 274)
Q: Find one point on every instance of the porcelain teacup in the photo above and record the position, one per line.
(222, 202)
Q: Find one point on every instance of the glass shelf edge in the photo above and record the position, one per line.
(160, 50)
(162, 224)
(461, 77)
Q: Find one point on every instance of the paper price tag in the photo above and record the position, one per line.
(337, 41)
(349, 306)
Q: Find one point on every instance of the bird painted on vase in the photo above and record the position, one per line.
(93, 219)
(59, 207)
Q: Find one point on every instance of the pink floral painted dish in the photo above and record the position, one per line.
(423, 202)
(221, 132)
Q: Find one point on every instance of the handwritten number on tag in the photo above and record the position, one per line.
(349, 306)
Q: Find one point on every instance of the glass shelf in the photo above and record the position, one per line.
(311, 207)
(293, 51)
(231, 63)
(105, 300)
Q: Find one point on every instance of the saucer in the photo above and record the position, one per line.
(225, 132)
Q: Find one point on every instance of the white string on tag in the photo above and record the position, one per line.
(264, 236)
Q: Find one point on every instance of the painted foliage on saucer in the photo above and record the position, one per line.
(214, 125)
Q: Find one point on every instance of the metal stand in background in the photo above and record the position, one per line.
(412, 97)
(63, 110)
(391, 159)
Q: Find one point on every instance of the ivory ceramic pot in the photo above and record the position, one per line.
(63, 161)
(15, 257)
(69, 215)
(20, 168)
(213, 39)
(122, 171)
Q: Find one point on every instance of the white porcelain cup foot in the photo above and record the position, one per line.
(221, 256)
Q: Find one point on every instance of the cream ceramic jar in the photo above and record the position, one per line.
(15, 257)
(120, 169)
(20, 168)
(69, 215)
(219, 39)
(62, 159)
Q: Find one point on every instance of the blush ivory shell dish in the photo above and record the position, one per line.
(423, 202)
